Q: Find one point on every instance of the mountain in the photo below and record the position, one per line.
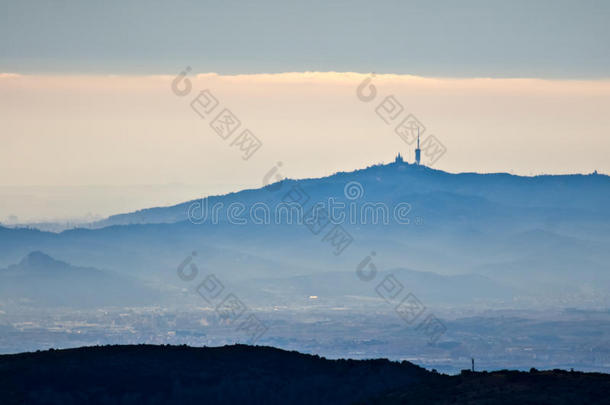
(562, 194)
(505, 387)
(183, 375)
(546, 236)
(40, 280)
(266, 375)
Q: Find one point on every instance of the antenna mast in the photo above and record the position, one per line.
(417, 151)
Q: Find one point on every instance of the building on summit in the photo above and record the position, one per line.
(400, 160)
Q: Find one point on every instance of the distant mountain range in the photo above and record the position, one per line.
(435, 191)
(242, 374)
(40, 280)
(498, 235)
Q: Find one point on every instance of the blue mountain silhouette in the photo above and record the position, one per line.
(545, 235)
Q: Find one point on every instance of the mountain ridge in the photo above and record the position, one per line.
(456, 224)
(178, 211)
(41, 280)
(262, 374)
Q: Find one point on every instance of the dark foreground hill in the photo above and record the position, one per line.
(240, 374)
(552, 387)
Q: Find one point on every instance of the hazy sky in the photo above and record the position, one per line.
(85, 97)
(523, 38)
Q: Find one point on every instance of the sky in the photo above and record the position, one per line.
(89, 122)
(468, 38)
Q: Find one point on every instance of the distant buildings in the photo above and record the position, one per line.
(400, 160)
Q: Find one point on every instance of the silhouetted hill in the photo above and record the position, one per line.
(545, 237)
(242, 374)
(40, 280)
(185, 375)
(552, 387)
(453, 192)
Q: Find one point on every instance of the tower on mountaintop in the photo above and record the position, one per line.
(417, 151)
